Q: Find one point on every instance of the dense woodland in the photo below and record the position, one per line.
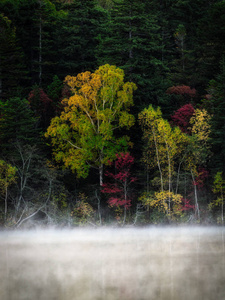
(112, 112)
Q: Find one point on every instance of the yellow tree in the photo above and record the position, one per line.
(165, 202)
(219, 190)
(164, 145)
(198, 149)
(200, 131)
(7, 177)
(83, 136)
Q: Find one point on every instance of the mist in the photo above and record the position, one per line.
(111, 264)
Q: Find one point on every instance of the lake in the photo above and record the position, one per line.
(151, 263)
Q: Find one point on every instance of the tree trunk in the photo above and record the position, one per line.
(101, 175)
(6, 204)
(222, 211)
(99, 207)
(125, 197)
(197, 212)
(158, 162)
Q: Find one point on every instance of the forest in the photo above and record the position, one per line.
(112, 112)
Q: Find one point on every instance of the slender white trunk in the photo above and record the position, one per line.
(158, 162)
(197, 212)
(101, 175)
(99, 207)
(125, 197)
(222, 210)
(6, 204)
(169, 170)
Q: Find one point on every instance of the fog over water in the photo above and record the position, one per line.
(177, 263)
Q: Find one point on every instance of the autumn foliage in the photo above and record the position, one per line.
(182, 116)
(119, 182)
(39, 100)
(85, 133)
(186, 205)
(203, 174)
(182, 90)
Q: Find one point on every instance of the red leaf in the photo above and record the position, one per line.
(182, 116)
(182, 90)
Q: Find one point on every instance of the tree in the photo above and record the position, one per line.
(106, 4)
(11, 65)
(163, 144)
(198, 149)
(219, 189)
(35, 22)
(119, 187)
(210, 34)
(75, 37)
(86, 133)
(182, 116)
(182, 66)
(171, 150)
(133, 43)
(216, 106)
(181, 95)
(41, 104)
(166, 202)
(200, 130)
(17, 123)
(7, 177)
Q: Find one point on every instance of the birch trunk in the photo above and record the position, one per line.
(197, 212)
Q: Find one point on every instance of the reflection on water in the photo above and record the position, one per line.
(113, 264)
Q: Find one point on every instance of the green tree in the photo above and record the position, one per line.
(75, 37)
(133, 43)
(210, 44)
(11, 66)
(85, 134)
(34, 21)
(216, 106)
(219, 189)
(17, 124)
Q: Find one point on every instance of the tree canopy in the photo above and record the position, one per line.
(87, 133)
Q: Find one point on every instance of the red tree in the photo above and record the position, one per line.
(41, 105)
(39, 100)
(186, 205)
(203, 174)
(119, 183)
(182, 90)
(182, 116)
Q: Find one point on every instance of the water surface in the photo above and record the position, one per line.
(178, 263)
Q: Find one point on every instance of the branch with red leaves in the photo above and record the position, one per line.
(120, 181)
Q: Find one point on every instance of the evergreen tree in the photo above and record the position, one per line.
(34, 21)
(11, 65)
(217, 109)
(17, 124)
(211, 41)
(134, 44)
(75, 37)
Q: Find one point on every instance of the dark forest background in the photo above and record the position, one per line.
(174, 51)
